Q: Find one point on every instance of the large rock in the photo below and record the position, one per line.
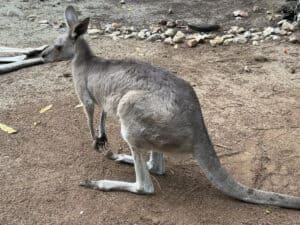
(142, 34)
(154, 37)
(179, 37)
(216, 41)
(170, 32)
(169, 41)
(192, 43)
(268, 31)
(287, 26)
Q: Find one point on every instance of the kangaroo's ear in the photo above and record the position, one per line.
(71, 16)
(80, 28)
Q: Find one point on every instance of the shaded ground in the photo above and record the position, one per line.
(253, 119)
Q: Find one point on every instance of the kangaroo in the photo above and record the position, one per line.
(158, 112)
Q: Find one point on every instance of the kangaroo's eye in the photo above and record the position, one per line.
(58, 47)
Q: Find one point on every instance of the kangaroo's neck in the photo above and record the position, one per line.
(83, 51)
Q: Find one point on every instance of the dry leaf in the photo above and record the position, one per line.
(48, 107)
(7, 129)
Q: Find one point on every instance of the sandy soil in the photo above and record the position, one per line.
(253, 119)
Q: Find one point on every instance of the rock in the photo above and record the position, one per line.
(148, 33)
(156, 29)
(295, 39)
(94, 31)
(255, 37)
(268, 31)
(247, 34)
(108, 28)
(255, 43)
(132, 35)
(240, 40)
(275, 38)
(236, 30)
(170, 32)
(216, 41)
(240, 13)
(252, 30)
(154, 37)
(181, 23)
(171, 24)
(116, 26)
(43, 22)
(169, 41)
(179, 37)
(122, 2)
(287, 26)
(247, 69)
(142, 34)
(228, 41)
(192, 43)
(227, 36)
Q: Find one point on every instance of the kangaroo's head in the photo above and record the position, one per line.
(64, 47)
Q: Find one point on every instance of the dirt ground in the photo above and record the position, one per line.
(253, 119)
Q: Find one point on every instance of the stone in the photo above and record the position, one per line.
(275, 38)
(255, 37)
(153, 37)
(155, 29)
(295, 39)
(247, 34)
(132, 35)
(181, 23)
(268, 31)
(179, 37)
(169, 41)
(287, 26)
(240, 13)
(122, 2)
(192, 43)
(116, 26)
(108, 28)
(170, 32)
(95, 31)
(43, 22)
(216, 41)
(240, 40)
(228, 41)
(247, 69)
(227, 36)
(255, 43)
(142, 34)
(171, 24)
(236, 30)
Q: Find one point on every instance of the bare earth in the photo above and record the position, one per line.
(253, 119)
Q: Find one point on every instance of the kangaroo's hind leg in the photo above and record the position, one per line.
(142, 185)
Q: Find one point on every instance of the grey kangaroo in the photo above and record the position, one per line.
(158, 113)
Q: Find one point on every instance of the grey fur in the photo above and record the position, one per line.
(157, 111)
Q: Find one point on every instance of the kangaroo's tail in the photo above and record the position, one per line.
(206, 156)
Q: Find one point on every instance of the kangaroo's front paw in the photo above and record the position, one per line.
(100, 142)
